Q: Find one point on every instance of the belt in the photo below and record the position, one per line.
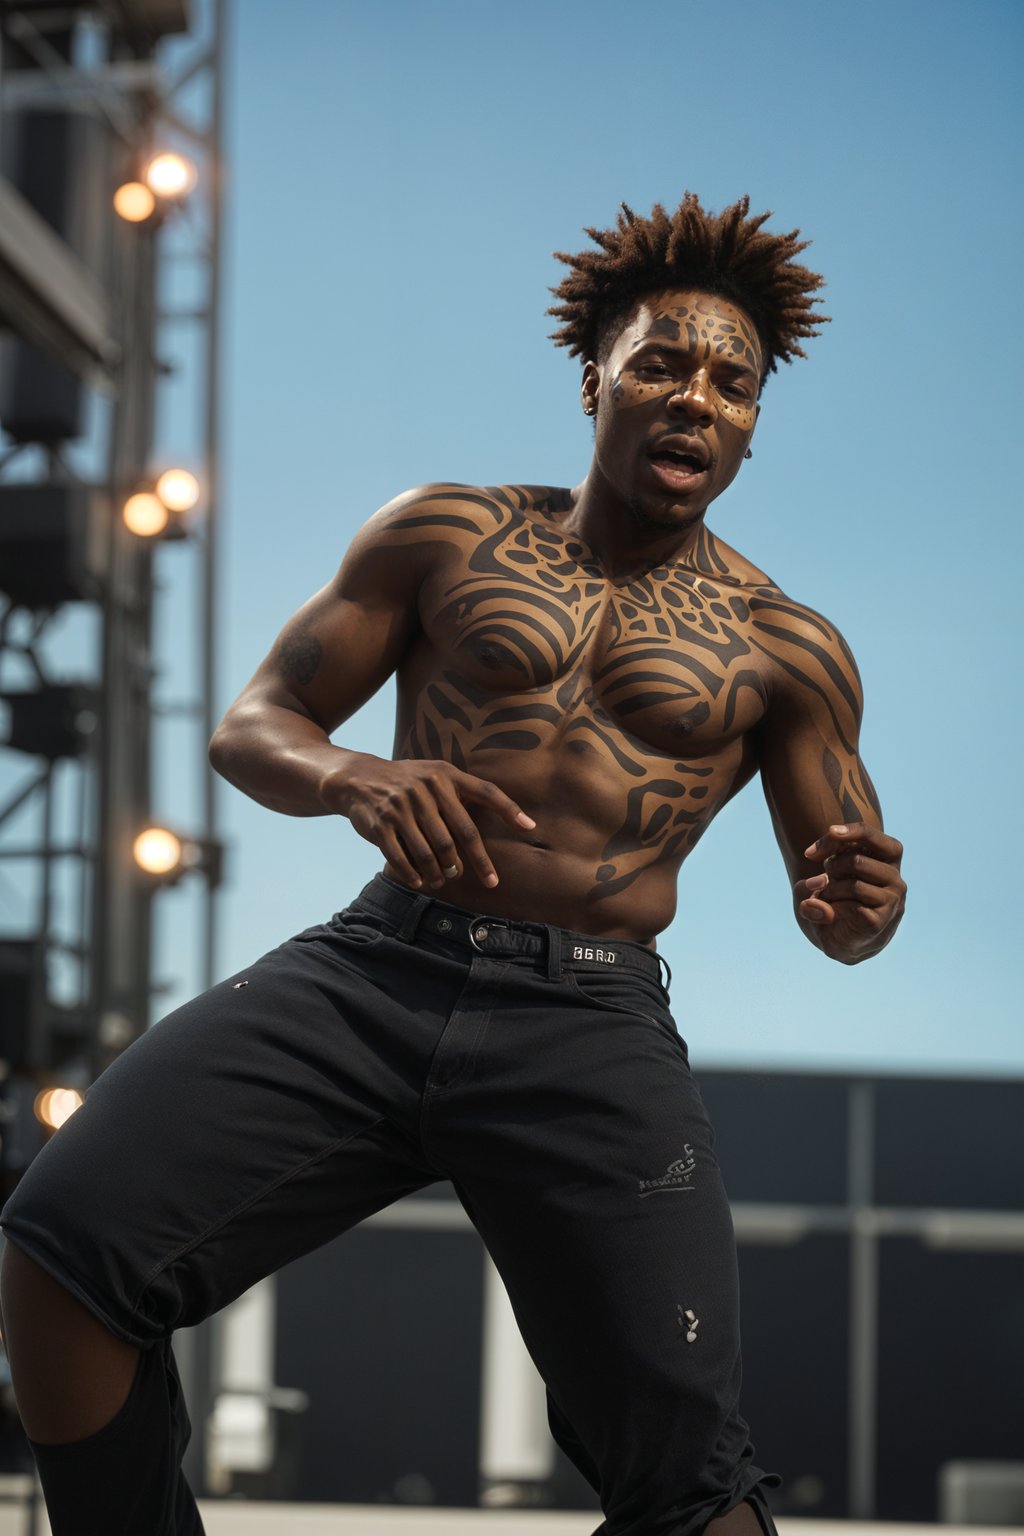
(502, 937)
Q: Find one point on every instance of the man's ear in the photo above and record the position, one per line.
(590, 388)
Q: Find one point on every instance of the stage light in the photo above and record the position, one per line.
(167, 856)
(178, 490)
(145, 514)
(55, 1106)
(171, 175)
(134, 202)
(157, 851)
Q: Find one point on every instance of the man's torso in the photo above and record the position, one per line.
(622, 717)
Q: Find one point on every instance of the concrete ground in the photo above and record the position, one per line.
(241, 1518)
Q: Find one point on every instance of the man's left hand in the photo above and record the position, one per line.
(857, 900)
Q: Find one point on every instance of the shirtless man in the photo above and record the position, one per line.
(584, 678)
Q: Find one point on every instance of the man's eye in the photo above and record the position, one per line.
(735, 392)
(659, 370)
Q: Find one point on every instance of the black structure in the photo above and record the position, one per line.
(88, 94)
(81, 330)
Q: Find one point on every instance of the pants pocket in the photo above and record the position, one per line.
(630, 993)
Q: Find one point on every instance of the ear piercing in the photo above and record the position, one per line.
(749, 453)
(588, 409)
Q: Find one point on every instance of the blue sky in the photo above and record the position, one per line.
(398, 176)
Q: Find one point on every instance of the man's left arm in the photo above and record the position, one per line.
(848, 893)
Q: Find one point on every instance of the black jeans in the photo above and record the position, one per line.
(403, 1042)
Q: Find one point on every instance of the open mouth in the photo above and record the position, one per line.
(671, 458)
(677, 469)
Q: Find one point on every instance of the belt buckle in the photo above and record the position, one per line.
(480, 928)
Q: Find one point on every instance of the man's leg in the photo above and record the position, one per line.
(73, 1374)
(751, 1518)
(243, 1130)
(94, 1406)
(604, 1212)
(744, 1520)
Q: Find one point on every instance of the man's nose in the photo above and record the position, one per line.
(696, 398)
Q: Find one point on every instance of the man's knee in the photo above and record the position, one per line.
(745, 1520)
(26, 1290)
(17, 1272)
(70, 1372)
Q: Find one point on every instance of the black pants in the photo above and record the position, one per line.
(402, 1042)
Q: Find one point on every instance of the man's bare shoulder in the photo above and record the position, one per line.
(769, 604)
(473, 508)
(807, 649)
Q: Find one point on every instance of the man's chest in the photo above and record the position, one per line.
(670, 659)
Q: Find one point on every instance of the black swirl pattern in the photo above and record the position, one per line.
(665, 678)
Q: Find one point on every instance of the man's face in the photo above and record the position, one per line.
(676, 404)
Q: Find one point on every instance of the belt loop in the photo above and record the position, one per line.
(665, 985)
(554, 953)
(413, 916)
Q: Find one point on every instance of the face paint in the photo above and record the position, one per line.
(676, 403)
(704, 350)
(702, 392)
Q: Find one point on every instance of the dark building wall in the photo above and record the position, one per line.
(383, 1329)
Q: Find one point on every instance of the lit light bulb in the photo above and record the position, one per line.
(157, 851)
(178, 490)
(145, 514)
(171, 175)
(134, 202)
(53, 1106)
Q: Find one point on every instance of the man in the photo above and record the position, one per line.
(584, 679)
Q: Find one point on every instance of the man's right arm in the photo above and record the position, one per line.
(332, 655)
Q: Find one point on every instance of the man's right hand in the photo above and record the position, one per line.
(414, 811)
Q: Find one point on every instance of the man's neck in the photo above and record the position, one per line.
(626, 540)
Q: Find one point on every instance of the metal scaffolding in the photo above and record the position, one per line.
(140, 76)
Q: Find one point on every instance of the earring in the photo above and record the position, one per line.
(588, 409)
(749, 453)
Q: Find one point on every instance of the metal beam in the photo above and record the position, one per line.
(64, 85)
(209, 568)
(47, 294)
(154, 18)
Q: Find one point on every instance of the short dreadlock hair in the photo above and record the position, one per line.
(726, 254)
